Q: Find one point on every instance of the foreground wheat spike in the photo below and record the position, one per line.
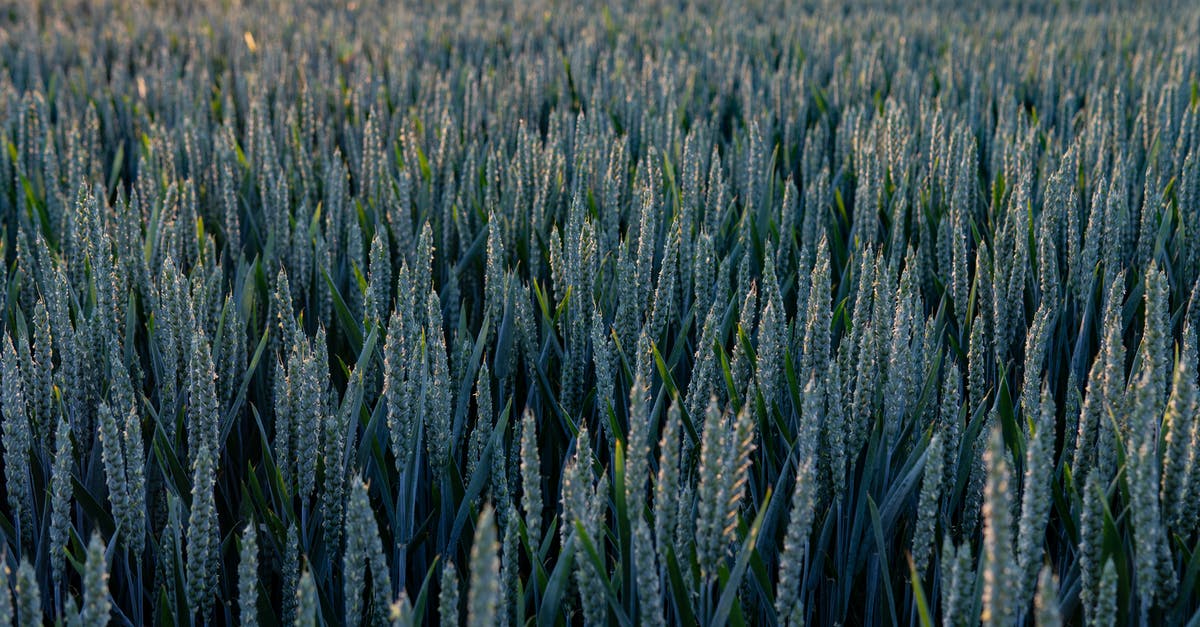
(308, 609)
(483, 597)
(354, 559)
(1179, 422)
(291, 576)
(17, 438)
(337, 424)
(28, 595)
(789, 602)
(172, 548)
(311, 411)
(650, 606)
(638, 441)
(135, 477)
(959, 593)
(1090, 539)
(1105, 612)
(203, 532)
(6, 599)
(113, 455)
(60, 499)
(248, 578)
(363, 554)
(1155, 350)
(1035, 497)
(1155, 570)
(510, 564)
(448, 597)
(1047, 612)
(438, 410)
(666, 484)
(481, 433)
(396, 386)
(740, 446)
(96, 606)
(531, 478)
(998, 604)
(713, 484)
(588, 516)
(927, 507)
(284, 406)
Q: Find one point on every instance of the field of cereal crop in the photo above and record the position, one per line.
(671, 312)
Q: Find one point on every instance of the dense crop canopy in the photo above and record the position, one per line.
(633, 313)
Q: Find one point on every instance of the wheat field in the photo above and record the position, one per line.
(672, 312)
